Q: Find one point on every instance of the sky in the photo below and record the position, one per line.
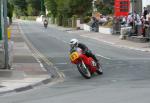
(146, 2)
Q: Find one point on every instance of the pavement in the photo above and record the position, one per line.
(27, 71)
(109, 39)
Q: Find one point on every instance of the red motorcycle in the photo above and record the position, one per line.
(86, 65)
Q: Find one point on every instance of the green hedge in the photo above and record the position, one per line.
(108, 23)
(86, 19)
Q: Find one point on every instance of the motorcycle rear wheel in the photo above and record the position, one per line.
(99, 70)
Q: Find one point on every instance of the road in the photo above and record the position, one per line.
(126, 76)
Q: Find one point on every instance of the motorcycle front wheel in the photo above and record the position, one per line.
(84, 71)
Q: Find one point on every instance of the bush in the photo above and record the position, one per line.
(108, 23)
(86, 19)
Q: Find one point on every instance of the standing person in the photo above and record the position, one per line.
(143, 25)
(147, 26)
(130, 20)
(138, 24)
(145, 12)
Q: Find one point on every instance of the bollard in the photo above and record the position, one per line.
(9, 33)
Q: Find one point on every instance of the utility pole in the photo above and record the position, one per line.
(5, 35)
(93, 7)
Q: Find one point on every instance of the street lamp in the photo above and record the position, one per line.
(5, 36)
(93, 7)
(3, 30)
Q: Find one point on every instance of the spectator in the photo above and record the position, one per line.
(94, 24)
(147, 26)
(138, 23)
(145, 12)
(143, 25)
(134, 20)
(102, 20)
(123, 21)
(130, 20)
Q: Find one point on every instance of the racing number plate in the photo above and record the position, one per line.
(74, 56)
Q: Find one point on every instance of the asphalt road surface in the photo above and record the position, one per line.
(126, 77)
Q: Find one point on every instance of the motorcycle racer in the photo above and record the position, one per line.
(74, 43)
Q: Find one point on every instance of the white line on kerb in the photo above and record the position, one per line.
(103, 56)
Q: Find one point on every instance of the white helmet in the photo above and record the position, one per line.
(73, 43)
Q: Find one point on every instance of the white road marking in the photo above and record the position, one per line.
(61, 63)
(67, 70)
(103, 57)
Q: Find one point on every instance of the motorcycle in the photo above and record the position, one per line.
(86, 65)
(45, 24)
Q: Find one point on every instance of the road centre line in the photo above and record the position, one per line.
(38, 55)
(103, 57)
(36, 52)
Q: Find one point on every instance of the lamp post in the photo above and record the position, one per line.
(5, 36)
(4, 59)
(0, 20)
(93, 7)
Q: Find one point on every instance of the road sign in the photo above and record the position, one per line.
(122, 7)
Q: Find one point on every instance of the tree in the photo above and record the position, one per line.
(28, 7)
(69, 8)
(35, 7)
(30, 10)
(51, 7)
(81, 7)
(19, 7)
(10, 11)
(105, 7)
